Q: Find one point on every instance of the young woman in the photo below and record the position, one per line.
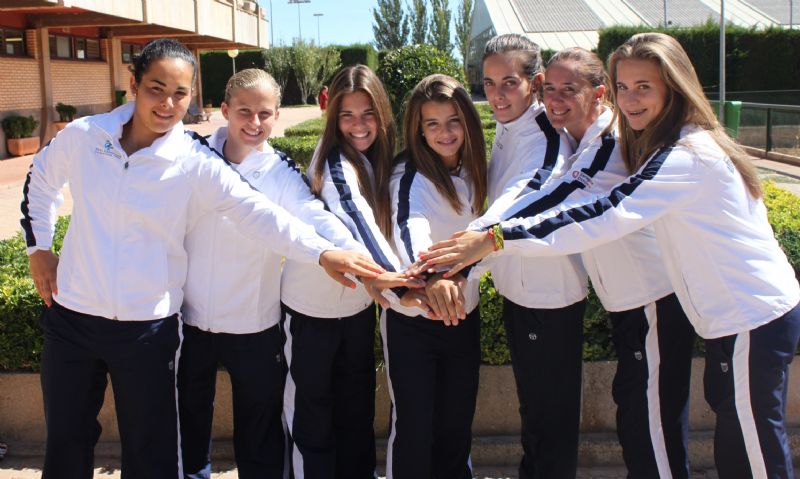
(231, 308)
(329, 399)
(544, 298)
(113, 306)
(702, 196)
(438, 187)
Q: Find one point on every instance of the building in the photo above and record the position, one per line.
(78, 52)
(555, 25)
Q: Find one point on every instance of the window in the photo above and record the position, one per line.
(60, 46)
(12, 42)
(129, 50)
(79, 48)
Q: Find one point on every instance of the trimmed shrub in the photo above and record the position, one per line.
(358, 54)
(299, 148)
(401, 70)
(312, 127)
(216, 68)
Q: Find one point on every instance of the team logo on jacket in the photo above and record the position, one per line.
(582, 178)
(107, 150)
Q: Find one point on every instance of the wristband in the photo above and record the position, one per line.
(496, 234)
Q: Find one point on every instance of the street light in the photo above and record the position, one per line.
(233, 53)
(722, 62)
(298, 2)
(319, 44)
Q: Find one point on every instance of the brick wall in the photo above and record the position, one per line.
(21, 86)
(81, 82)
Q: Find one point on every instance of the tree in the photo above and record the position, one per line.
(440, 26)
(312, 66)
(419, 22)
(463, 28)
(391, 25)
(278, 63)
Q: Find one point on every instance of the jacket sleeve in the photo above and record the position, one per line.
(42, 190)
(341, 193)
(297, 198)
(218, 187)
(671, 179)
(412, 230)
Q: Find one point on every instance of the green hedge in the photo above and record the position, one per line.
(747, 50)
(358, 54)
(21, 342)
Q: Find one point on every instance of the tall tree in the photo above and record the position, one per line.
(440, 26)
(463, 28)
(312, 65)
(391, 25)
(419, 22)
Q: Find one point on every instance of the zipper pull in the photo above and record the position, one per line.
(126, 165)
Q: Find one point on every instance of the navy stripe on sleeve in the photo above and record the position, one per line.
(30, 240)
(204, 141)
(591, 210)
(349, 206)
(566, 188)
(550, 155)
(404, 207)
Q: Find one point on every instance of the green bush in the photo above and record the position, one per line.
(782, 211)
(312, 127)
(216, 67)
(66, 112)
(299, 148)
(401, 70)
(16, 126)
(359, 54)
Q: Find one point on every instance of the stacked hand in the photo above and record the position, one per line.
(461, 250)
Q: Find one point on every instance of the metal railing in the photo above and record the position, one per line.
(770, 109)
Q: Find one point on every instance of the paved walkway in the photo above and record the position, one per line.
(14, 170)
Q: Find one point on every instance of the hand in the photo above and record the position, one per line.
(376, 285)
(417, 298)
(337, 262)
(446, 298)
(461, 250)
(43, 265)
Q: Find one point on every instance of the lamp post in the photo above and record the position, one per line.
(233, 53)
(665, 14)
(271, 27)
(319, 44)
(298, 2)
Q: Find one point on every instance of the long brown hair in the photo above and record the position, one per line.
(472, 155)
(359, 78)
(685, 104)
(526, 54)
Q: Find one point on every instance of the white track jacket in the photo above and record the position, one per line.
(123, 255)
(525, 154)
(422, 216)
(307, 289)
(720, 253)
(233, 284)
(626, 273)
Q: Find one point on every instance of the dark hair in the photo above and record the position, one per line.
(160, 49)
(526, 52)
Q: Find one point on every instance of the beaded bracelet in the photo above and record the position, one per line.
(496, 234)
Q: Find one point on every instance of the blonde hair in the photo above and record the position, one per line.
(685, 104)
(359, 78)
(472, 155)
(252, 78)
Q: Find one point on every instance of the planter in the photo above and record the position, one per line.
(22, 146)
(60, 125)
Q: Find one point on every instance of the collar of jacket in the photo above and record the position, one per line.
(168, 146)
(253, 161)
(523, 123)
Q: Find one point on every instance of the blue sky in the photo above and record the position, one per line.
(342, 22)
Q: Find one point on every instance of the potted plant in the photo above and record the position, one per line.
(66, 114)
(208, 107)
(19, 135)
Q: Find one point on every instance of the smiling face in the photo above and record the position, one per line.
(443, 130)
(509, 92)
(251, 114)
(357, 121)
(162, 96)
(641, 92)
(571, 101)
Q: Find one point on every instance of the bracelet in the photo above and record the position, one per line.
(496, 234)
